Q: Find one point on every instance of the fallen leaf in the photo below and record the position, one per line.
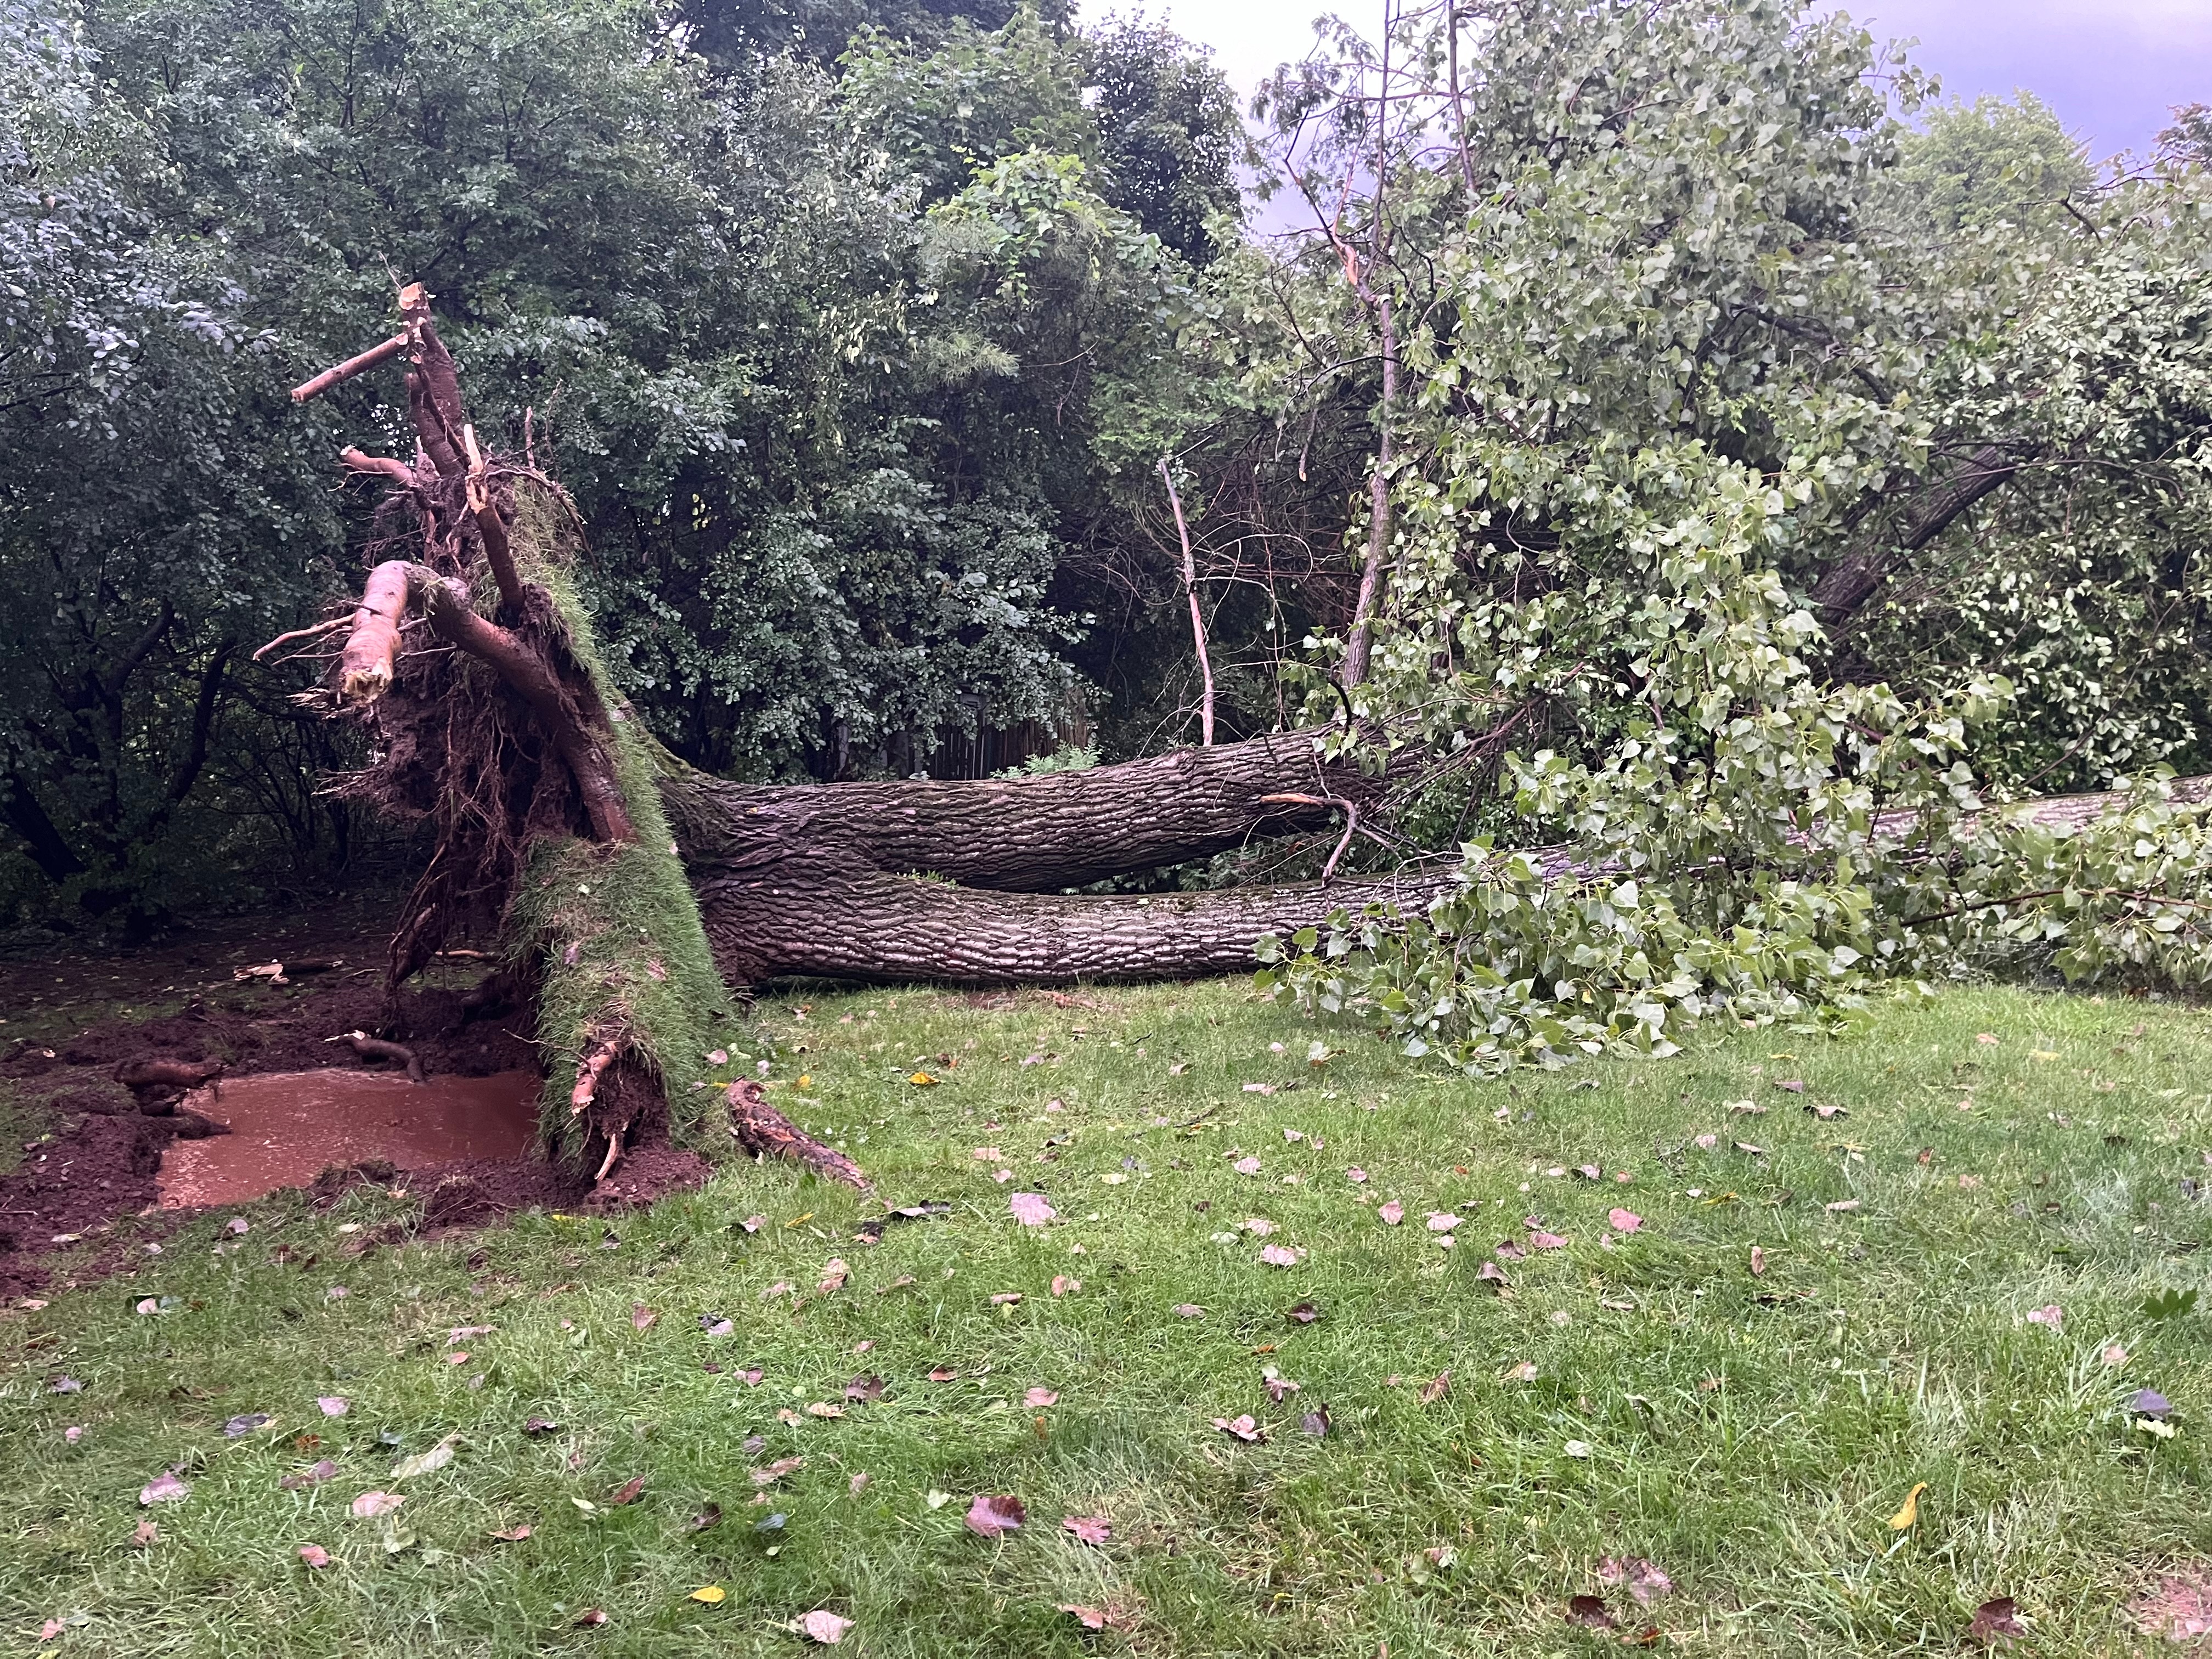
(237, 1427)
(1624, 1221)
(1984, 1037)
(1909, 1513)
(534, 1426)
(1589, 1610)
(1091, 1528)
(823, 1626)
(590, 1616)
(1259, 1088)
(1355, 1176)
(1576, 1448)
(835, 1273)
(1758, 1262)
(712, 1595)
(753, 1224)
(332, 1405)
(775, 1471)
(1544, 1241)
(857, 1485)
(2114, 1357)
(1316, 1422)
(988, 1155)
(627, 1492)
(1524, 1372)
(1276, 1255)
(1304, 1313)
(314, 1555)
(1241, 1428)
(1436, 1387)
(822, 1408)
(992, 1516)
(1827, 1114)
(1038, 1398)
(942, 1373)
(1441, 1221)
(65, 1385)
(428, 1461)
(1644, 1580)
(1392, 1212)
(1031, 1209)
(1189, 1311)
(2053, 1316)
(1746, 1147)
(314, 1476)
(1089, 1617)
(1995, 1620)
(370, 1504)
(1004, 1298)
(1589, 1171)
(164, 1488)
(1842, 1207)
(1063, 1286)
(1508, 1250)
(2149, 1402)
(709, 1514)
(512, 1534)
(1246, 1166)
(921, 1079)
(145, 1534)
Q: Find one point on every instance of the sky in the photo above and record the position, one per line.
(2111, 69)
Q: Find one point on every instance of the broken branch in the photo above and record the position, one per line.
(381, 353)
(369, 1048)
(766, 1132)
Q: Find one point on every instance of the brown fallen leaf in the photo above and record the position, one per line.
(1242, 1428)
(534, 1425)
(822, 1408)
(994, 1516)
(1544, 1241)
(1436, 1387)
(1524, 1372)
(1039, 1397)
(641, 1317)
(1624, 1221)
(1318, 1422)
(1827, 1114)
(314, 1555)
(627, 1492)
(1508, 1250)
(590, 1616)
(1758, 1262)
(1189, 1311)
(1091, 1528)
(1995, 1621)
(314, 1474)
(512, 1534)
(1392, 1212)
(835, 1273)
(771, 1474)
(1063, 1286)
(942, 1373)
(709, 1514)
(145, 1533)
(1303, 1313)
(1491, 1273)
(1005, 1299)
(1589, 1610)
(864, 1388)
(1089, 1617)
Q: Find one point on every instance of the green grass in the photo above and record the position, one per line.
(1753, 1436)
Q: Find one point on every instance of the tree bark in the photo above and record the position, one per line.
(1059, 829)
(1847, 585)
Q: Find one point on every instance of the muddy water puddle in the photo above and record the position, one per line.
(287, 1128)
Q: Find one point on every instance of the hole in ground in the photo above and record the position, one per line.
(287, 1128)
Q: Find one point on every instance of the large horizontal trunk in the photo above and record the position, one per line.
(859, 924)
(1028, 835)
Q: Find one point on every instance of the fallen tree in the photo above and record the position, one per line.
(633, 892)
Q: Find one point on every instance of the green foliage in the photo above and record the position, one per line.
(1667, 369)
(1972, 166)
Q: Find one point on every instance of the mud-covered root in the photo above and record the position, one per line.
(766, 1132)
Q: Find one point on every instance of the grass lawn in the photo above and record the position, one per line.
(1652, 1396)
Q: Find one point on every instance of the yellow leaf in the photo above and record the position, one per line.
(710, 1594)
(1909, 1514)
(2043, 1053)
(921, 1079)
(806, 1079)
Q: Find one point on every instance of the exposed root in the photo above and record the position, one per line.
(594, 1066)
(369, 1048)
(169, 1073)
(766, 1132)
(614, 1152)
